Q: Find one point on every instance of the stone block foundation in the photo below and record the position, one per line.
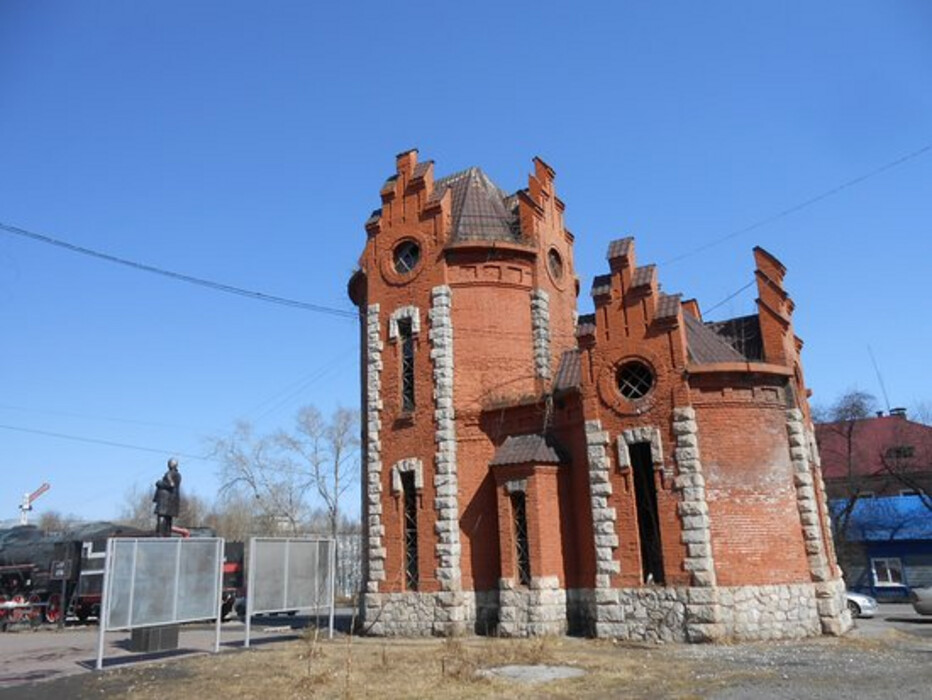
(649, 614)
(709, 614)
(533, 611)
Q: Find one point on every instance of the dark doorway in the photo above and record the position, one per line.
(645, 496)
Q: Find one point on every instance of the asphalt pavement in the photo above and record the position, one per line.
(896, 616)
(30, 655)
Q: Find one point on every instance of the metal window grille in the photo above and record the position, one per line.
(556, 264)
(522, 547)
(407, 255)
(410, 528)
(634, 380)
(407, 364)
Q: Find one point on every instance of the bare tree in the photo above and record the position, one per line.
(870, 458)
(256, 466)
(907, 456)
(284, 472)
(850, 406)
(194, 511)
(881, 519)
(236, 517)
(841, 422)
(328, 452)
(137, 510)
(52, 522)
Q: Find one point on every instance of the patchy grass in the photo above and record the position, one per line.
(396, 668)
(446, 668)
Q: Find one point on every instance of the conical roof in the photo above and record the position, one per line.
(481, 210)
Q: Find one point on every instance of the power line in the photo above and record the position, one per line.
(287, 395)
(96, 441)
(69, 414)
(181, 277)
(728, 298)
(802, 205)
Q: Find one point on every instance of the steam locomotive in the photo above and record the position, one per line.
(46, 577)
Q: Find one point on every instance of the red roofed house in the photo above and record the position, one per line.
(878, 476)
(880, 456)
(634, 472)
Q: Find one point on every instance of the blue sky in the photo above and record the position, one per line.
(245, 142)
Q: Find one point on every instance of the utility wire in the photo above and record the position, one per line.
(96, 441)
(68, 414)
(803, 205)
(200, 281)
(728, 298)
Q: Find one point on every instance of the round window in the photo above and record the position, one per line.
(634, 379)
(406, 256)
(556, 263)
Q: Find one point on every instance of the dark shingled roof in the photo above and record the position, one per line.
(705, 345)
(743, 334)
(525, 449)
(668, 305)
(601, 284)
(585, 324)
(569, 371)
(620, 247)
(642, 275)
(481, 211)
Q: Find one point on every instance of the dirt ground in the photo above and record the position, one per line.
(877, 661)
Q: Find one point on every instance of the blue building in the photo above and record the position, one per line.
(886, 547)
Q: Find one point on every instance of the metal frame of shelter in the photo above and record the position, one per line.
(107, 593)
(285, 563)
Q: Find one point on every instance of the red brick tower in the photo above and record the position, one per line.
(469, 296)
(641, 474)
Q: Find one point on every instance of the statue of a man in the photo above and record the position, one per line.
(167, 498)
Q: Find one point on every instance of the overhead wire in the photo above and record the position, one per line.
(96, 441)
(190, 279)
(68, 414)
(344, 313)
(802, 205)
(292, 392)
(728, 298)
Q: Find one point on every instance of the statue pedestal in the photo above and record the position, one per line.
(150, 639)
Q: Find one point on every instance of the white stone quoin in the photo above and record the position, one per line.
(540, 327)
(446, 502)
(375, 530)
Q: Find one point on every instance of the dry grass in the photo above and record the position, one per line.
(432, 668)
(368, 667)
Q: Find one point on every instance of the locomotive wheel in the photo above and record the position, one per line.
(34, 613)
(53, 610)
(17, 614)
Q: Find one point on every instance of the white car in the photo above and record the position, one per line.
(921, 599)
(861, 605)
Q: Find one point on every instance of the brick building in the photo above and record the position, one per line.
(631, 473)
(876, 456)
(878, 478)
